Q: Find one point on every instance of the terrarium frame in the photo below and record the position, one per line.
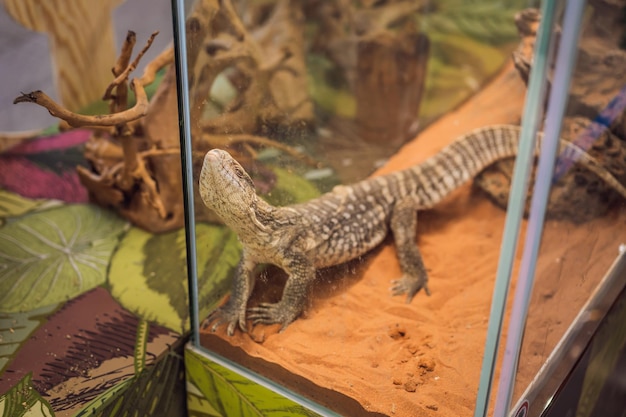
(524, 162)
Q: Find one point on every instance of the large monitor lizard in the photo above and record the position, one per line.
(344, 223)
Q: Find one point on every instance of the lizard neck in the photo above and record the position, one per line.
(263, 224)
(265, 213)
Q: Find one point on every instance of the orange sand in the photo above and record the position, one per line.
(359, 349)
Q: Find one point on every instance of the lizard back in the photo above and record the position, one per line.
(351, 220)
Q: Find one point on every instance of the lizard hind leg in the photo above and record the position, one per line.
(404, 230)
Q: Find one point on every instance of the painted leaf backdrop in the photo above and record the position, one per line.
(15, 328)
(51, 256)
(234, 395)
(488, 21)
(24, 400)
(115, 392)
(13, 205)
(46, 167)
(470, 41)
(148, 274)
(290, 188)
(156, 391)
(197, 405)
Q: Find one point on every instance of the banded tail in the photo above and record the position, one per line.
(457, 163)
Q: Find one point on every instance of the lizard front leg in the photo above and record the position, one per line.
(234, 311)
(301, 273)
(404, 229)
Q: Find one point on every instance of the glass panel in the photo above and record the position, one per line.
(585, 219)
(308, 96)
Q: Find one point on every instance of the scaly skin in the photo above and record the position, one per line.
(344, 223)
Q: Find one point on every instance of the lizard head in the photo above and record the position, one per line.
(227, 189)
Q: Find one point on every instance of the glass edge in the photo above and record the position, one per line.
(533, 109)
(263, 381)
(184, 123)
(557, 103)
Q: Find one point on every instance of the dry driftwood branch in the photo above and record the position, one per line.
(208, 141)
(136, 165)
(120, 172)
(125, 54)
(122, 76)
(265, 64)
(119, 102)
(81, 120)
(163, 59)
(118, 118)
(121, 117)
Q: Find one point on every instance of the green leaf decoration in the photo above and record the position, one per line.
(159, 390)
(490, 22)
(141, 341)
(290, 189)
(332, 99)
(51, 256)
(148, 274)
(15, 328)
(197, 405)
(24, 400)
(232, 394)
(93, 407)
(457, 68)
(13, 205)
(218, 254)
(469, 42)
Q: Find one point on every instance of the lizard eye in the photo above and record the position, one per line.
(243, 175)
(239, 173)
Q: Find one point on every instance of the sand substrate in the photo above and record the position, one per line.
(360, 351)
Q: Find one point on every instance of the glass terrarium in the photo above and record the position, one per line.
(384, 208)
(311, 97)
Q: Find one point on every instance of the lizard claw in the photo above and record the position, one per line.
(272, 313)
(223, 315)
(410, 286)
